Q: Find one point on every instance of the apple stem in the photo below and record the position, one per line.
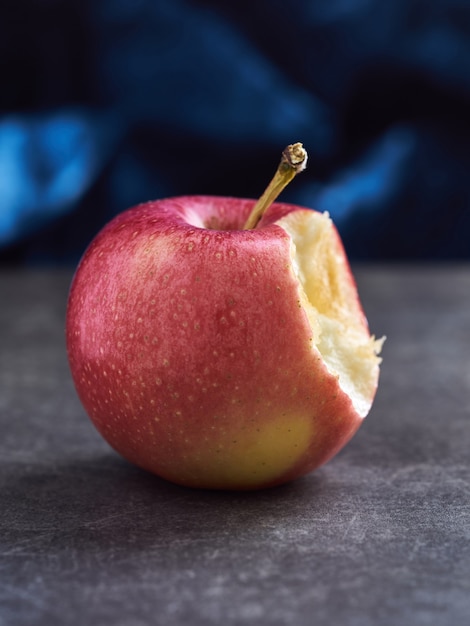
(293, 161)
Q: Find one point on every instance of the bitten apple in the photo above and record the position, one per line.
(219, 356)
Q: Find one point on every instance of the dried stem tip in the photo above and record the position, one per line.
(296, 156)
(293, 161)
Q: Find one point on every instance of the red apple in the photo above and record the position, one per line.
(217, 356)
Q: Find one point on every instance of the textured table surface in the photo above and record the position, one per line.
(379, 536)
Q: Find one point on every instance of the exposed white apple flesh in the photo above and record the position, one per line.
(329, 297)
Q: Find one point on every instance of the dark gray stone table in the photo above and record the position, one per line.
(379, 536)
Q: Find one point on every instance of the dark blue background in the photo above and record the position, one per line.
(107, 103)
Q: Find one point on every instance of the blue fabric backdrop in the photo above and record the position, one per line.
(108, 103)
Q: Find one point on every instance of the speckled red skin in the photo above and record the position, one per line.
(181, 337)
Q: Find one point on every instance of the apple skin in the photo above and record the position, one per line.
(191, 352)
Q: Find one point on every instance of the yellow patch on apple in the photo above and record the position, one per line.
(248, 459)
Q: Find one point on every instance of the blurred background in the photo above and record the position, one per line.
(108, 103)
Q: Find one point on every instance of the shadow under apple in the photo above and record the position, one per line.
(104, 503)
